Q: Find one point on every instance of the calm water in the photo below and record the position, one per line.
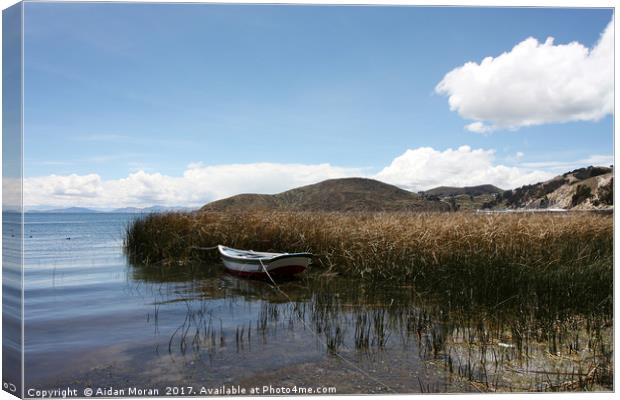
(93, 320)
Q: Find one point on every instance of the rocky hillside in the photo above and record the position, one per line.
(348, 194)
(582, 189)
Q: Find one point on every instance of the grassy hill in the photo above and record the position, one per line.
(347, 194)
(464, 198)
(444, 191)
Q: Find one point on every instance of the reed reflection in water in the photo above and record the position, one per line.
(511, 346)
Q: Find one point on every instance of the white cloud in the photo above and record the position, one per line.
(424, 168)
(11, 194)
(534, 83)
(479, 127)
(198, 185)
(599, 160)
(416, 169)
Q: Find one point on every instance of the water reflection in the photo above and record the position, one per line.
(510, 345)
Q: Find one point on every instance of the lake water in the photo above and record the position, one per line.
(94, 321)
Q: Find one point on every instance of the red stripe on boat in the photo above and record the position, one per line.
(287, 270)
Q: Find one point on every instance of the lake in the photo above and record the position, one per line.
(93, 320)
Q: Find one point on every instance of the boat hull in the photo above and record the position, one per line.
(284, 266)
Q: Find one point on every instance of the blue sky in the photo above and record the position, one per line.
(113, 90)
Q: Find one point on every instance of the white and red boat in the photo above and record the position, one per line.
(256, 264)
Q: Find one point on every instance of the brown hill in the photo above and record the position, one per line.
(347, 194)
(445, 191)
(467, 198)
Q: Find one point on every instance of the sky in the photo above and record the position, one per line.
(182, 104)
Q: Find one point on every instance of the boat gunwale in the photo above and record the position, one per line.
(257, 260)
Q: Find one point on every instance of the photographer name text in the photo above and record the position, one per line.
(224, 390)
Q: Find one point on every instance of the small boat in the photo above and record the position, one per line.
(254, 263)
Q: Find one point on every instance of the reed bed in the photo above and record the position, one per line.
(513, 351)
(564, 256)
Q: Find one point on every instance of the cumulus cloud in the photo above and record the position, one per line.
(563, 166)
(198, 185)
(416, 169)
(11, 194)
(480, 127)
(533, 84)
(424, 168)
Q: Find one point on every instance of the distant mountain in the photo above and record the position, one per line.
(582, 189)
(444, 191)
(347, 194)
(127, 210)
(70, 210)
(152, 209)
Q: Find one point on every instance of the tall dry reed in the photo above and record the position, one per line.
(555, 254)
